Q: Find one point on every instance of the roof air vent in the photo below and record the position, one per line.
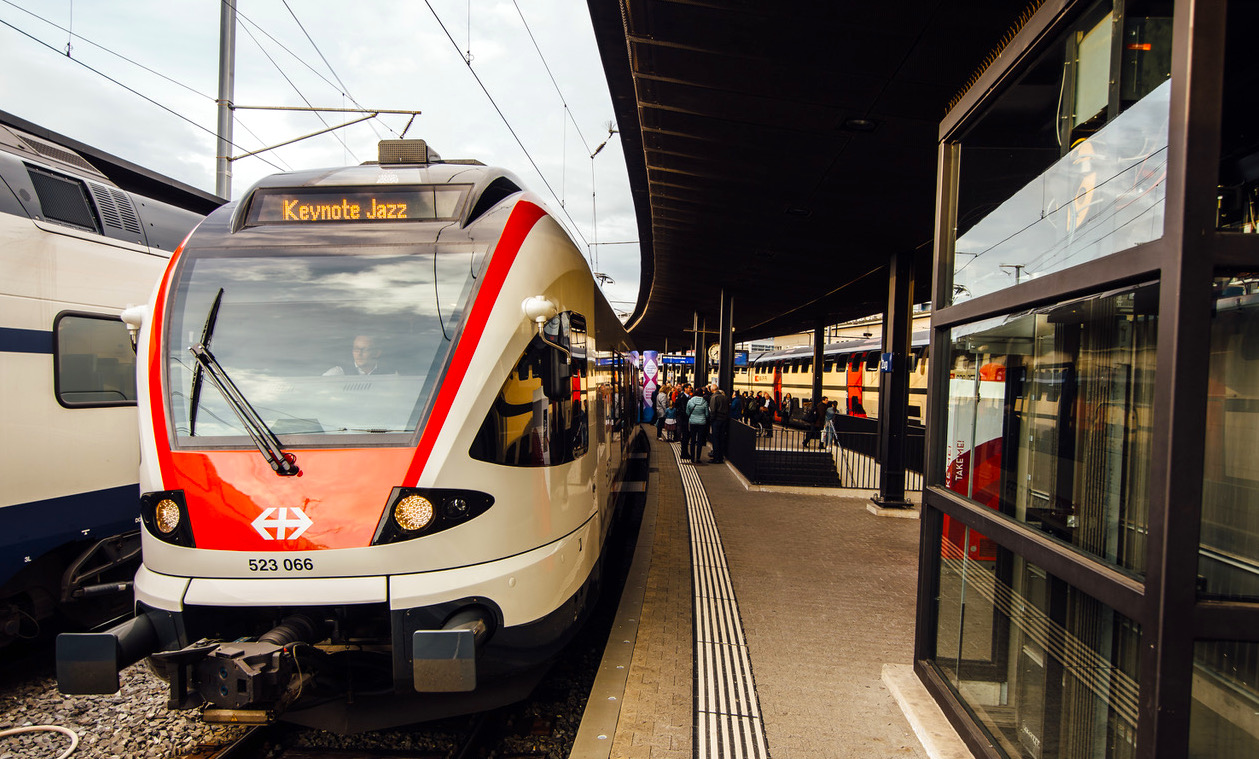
(406, 151)
(57, 153)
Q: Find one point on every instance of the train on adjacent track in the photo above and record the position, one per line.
(85, 235)
(385, 414)
(850, 376)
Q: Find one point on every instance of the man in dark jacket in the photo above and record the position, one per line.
(719, 419)
(679, 415)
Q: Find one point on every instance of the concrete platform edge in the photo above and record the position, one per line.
(603, 707)
(912, 497)
(939, 739)
(893, 513)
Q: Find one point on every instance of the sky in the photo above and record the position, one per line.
(160, 112)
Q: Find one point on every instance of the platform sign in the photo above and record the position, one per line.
(886, 363)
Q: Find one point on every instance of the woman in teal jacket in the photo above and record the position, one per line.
(697, 418)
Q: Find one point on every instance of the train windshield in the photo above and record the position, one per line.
(319, 345)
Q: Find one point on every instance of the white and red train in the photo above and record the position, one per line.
(383, 420)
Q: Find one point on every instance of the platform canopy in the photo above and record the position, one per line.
(784, 151)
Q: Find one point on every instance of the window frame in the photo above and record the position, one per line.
(57, 360)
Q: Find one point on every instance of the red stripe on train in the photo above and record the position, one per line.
(518, 226)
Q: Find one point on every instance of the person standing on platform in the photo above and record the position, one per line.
(661, 403)
(829, 435)
(679, 415)
(697, 420)
(719, 418)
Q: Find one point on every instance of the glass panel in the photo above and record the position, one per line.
(1228, 565)
(1045, 670)
(1049, 420)
(1104, 196)
(319, 345)
(540, 416)
(1224, 715)
(1239, 142)
(1068, 162)
(95, 362)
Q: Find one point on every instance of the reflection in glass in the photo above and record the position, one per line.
(1224, 715)
(541, 414)
(1049, 421)
(1104, 196)
(319, 345)
(1228, 565)
(1238, 193)
(1046, 670)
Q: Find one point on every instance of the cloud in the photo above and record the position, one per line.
(389, 54)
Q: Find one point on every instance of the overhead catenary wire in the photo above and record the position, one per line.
(567, 110)
(132, 90)
(137, 64)
(296, 89)
(345, 91)
(506, 122)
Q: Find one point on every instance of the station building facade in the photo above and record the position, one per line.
(1089, 571)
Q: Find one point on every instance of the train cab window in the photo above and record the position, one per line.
(540, 417)
(497, 190)
(93, 363)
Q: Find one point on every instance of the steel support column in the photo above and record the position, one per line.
(227, 87)
(819, 341)
(725, 363)
(894, 381)
(701, 353)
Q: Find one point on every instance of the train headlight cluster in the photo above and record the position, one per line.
(415, 512)
(165, 516)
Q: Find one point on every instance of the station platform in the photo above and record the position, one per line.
(757, 623)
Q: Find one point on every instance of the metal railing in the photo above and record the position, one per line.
(846, 457)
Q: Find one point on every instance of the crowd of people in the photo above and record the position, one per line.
(695, 416)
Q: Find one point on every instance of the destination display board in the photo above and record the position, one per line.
(355, 205)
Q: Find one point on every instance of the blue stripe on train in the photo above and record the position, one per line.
(14, 340)
(30, 530)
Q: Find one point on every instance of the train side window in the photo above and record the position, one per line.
(93, 362)
(540, 416)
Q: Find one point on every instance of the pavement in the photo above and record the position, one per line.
(826, 595)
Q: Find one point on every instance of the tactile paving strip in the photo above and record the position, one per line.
(727, 713)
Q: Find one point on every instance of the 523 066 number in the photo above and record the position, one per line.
(275, 565)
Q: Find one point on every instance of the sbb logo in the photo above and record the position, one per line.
(280, 519)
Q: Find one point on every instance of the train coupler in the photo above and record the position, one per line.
(229, 676)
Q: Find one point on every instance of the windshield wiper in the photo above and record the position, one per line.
(262, 436)
(207, 331)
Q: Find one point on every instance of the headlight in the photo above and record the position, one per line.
(414, 513)
(166, 516)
